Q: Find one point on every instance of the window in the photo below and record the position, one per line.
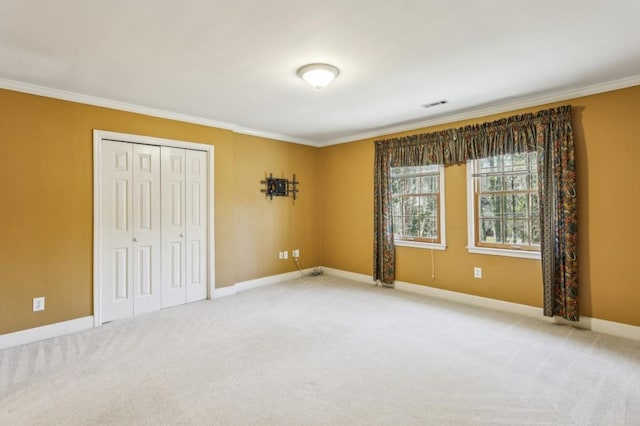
(503, 205)
(417, 199)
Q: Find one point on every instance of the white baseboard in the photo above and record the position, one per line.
(45, 332)
(258, 282)
(224, 292)
(273, 279)
(469, 299)
(349, 275)
(594, 324)
(603, 326)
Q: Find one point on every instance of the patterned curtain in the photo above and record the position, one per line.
(558, 213)
(549, 133)
(383, 248)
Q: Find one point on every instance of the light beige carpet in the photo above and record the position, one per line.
(324, 351)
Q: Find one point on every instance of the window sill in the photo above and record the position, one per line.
(505, 252)
(415, 244)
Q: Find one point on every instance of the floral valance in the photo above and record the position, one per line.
(505, 136)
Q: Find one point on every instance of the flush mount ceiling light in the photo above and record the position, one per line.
(318, 75)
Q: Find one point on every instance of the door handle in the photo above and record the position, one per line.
(135, 240)
(181, 235)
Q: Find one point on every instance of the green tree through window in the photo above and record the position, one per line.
(415, 198)
(506, 202)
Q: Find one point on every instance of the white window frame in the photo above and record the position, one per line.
(442, 245)
(471, 226)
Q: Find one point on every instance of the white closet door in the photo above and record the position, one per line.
(196, 225)
(117, 271)
(173, 226)
(153, 228)
(146, 228)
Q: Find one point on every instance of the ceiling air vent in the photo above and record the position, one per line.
(432, 104)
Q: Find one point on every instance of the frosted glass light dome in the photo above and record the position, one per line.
(318, 75)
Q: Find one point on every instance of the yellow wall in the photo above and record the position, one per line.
(46, 215)
(607, 151)
(263, 226)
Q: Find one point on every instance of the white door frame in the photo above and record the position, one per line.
(98, 137)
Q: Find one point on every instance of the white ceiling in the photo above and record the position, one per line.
(233, 63)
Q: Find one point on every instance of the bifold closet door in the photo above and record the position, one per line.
(131, 229)
(184, 226)
(146, 229)
(196, 225)
(173, 226)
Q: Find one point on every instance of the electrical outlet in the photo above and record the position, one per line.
(286, 254)
(281, 255)
(38, 304)
(295, 253)
(477, 272)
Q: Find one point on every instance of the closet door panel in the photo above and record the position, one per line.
(116, 257)
(146, 228)
(173, 226)
(196, 225)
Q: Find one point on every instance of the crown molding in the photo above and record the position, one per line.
(65, 95)
(520, 103)
(276, 136)
(525, 102)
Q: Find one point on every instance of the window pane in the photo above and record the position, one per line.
(429, 184)
(422, 211)
(491, 184)
(397, 186)
(430, 229)
(488, 164)
(396, 206)
(506, 203)
(429, 204)
(408, 231)
(397, 226)
(490, 231)
(517, 162)
(410, 206)
(516, 205)
(535, 232)
(412, 227)
(490, 205)
(507, 162)
(412, 185)
(516, 232)
(427, 216)
(533, 204)
(516, 182)
(414, 201)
